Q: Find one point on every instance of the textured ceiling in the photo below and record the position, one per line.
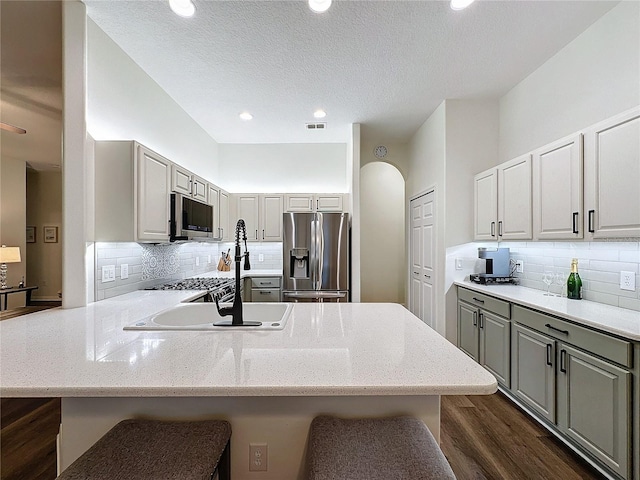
(384, 64)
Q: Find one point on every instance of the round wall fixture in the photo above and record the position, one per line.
(380, 151)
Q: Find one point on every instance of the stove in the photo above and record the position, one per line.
(221, 288)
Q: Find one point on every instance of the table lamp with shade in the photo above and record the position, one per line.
(7, 255)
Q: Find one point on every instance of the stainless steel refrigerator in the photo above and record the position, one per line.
(315, 257)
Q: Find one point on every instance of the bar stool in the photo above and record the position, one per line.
(398, 448)
(153, 449)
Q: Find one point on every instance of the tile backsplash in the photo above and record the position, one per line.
(153, 264)
(599, 265)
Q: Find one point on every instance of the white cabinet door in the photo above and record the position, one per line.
(213, 199)
(514, 199)
(299, 202)
(485, 193)
(199, 188)
(328, 202)
(226, 233)
(271, 208)
(153, 188)
(557, 190)
(180, 180)
(612, 177)
(248, 210)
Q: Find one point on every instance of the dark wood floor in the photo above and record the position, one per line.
(483, 437)
(28, 429)
(488, 437)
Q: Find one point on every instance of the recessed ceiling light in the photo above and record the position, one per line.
(246, 116)
(319, 6)
(184, 8)
(460, 4)
(319, 114)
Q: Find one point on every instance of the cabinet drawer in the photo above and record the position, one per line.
(499, 307)
(614, 349)
(265, 282)
(265, 294)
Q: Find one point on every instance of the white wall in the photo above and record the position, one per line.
(44, 207)
(12, 220)
(124, 103)
(397, 155)
(471, 147)
(594, 77)
(382, 214)
(288, 168)
(353, 181)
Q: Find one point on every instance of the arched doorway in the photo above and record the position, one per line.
(382, 237)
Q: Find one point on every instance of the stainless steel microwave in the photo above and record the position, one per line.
(190, 219)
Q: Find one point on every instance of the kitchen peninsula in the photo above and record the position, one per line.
(345, 359)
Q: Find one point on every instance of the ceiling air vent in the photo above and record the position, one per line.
(316, 126)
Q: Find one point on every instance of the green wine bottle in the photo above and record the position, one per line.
(574, 283)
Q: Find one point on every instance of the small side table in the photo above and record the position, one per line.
(7, 291)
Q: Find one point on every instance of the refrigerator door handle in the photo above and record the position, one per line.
(319, 241)
(313, 255)
(314, 294)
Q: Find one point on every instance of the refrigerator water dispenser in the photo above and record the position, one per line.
(299, 263)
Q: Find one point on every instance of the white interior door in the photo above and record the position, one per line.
(422, 293)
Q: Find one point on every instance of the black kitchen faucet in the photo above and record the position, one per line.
(236, 309)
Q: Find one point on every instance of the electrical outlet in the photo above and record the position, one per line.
(458, 264)
(519, 266)
(108, 273)
(197, 261)
(261, 257)
(257, 457)
(628, 281)
(124, 270)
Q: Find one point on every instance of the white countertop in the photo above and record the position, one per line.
(324, 350)
(616, 320)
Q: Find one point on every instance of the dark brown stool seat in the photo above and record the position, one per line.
(153, 449)
(399, 448)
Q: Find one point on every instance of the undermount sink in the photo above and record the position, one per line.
(202, 316)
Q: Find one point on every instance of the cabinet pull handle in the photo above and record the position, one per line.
(480, 317)
(575, 222)
(475, 319)
(478, 300)
(416, 273)
(563, 361)
(500, 228)
(493, 229)
(310, 204)
(548, 325)
(265, 293)
(222, 232)
(549, 352)
(256, 233)
(263, 234)
(318, 204)
(591, 222)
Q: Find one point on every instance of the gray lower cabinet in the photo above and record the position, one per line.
(533, 367)
(582, 394)
(265, 289)
(594, 406)
(484, 335)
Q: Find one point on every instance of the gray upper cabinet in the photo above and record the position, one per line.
(502, 201)
(594, 399)
(139, 210)
(557, 190)
(612, 176)
(187, 183)
(533, 370)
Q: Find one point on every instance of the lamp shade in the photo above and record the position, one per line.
(9, 254)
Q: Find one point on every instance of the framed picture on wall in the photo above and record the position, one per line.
(31, 234)
(50, 234)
